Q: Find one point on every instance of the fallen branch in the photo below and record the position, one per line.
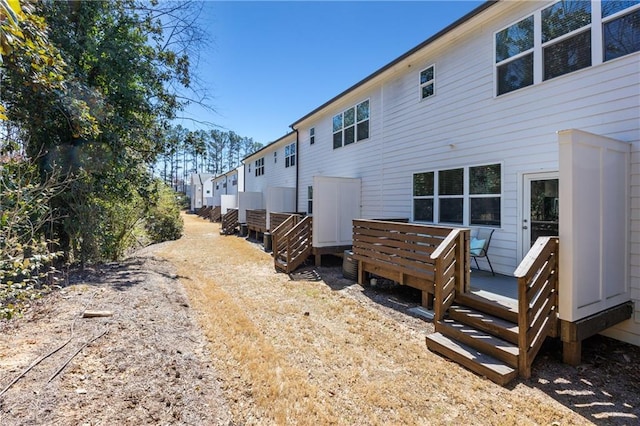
(76, 353)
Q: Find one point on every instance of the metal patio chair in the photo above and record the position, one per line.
(480, 240)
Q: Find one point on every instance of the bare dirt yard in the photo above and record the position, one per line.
(203, 331)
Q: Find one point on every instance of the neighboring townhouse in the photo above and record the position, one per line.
(200, 189)
(225, 188)
(523, 117)
(270, 179)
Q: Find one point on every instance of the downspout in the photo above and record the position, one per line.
(297, 161)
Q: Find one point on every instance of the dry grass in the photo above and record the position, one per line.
(299, 352)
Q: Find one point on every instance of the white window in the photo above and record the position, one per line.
(427, 82)
(312, 136)
(309, 199)
(275, 157)
(351, 125)
(566, 37)
(562, 38)
(620, 28)
(290, 155)
(514, 56)
(259, 166)
(469, 196)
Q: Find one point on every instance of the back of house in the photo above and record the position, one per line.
(466, 130)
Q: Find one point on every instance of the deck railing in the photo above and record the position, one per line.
(204, 211)
(215, 214)
(292, 244)
(257, 220)
(403, 253)
(229, 222)
(537, 277)
(277, 233)
(451, 271)
(276, 218)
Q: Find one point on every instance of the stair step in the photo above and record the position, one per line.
(484, 342)
(505, 311)
(476, 361)
(499, 327)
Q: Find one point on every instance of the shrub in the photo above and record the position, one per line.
(163, 221)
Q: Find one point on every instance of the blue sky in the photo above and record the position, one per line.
(270, 63)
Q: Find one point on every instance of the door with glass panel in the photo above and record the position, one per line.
(540, 215)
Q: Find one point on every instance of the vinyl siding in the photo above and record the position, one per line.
(275, 172)
(465, 124)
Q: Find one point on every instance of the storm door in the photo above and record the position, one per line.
(540, 211)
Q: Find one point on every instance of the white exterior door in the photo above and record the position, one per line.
(540, 212)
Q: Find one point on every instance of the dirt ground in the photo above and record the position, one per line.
(205, 332)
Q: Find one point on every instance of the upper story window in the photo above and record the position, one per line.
(290, 155)
(351, 125)
(620, 28)
(469, 196)
(259, 166)
(427, 81)
(514, 56)
(559, 40)
(312, 136)
(566, 37)
(275, 157)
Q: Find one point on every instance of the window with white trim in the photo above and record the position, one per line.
(423, 197)
(564, 42)
(309, 199)
(469, 196)
(275, 157)
(620, 28)
(351, 125)
(312, 136)
(259, 166)
(290, 155)
(427, 82)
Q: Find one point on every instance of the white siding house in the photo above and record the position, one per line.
(199, 184)
(466, 128)
(271, 171)
(274, 165)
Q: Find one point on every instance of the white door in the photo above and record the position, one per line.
(540, 208)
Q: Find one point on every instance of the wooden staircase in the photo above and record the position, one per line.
(229, 222)
(497, 341)
(483, 343)
(215, 214)
(292, 243)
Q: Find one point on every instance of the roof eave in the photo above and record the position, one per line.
(396, 61)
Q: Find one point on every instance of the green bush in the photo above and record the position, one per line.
(26, 257)
(163, 221)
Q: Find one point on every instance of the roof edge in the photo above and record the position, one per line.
(401, 58)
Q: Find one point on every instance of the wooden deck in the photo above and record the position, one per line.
(403, 253)
(492, 336)
(257, 221)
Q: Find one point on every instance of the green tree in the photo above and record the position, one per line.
(103, 118)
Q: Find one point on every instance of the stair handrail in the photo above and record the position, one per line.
(230, 221)
(451, 273)
(537, 277)
(297, 242)
(215, 214)
(278, 241)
